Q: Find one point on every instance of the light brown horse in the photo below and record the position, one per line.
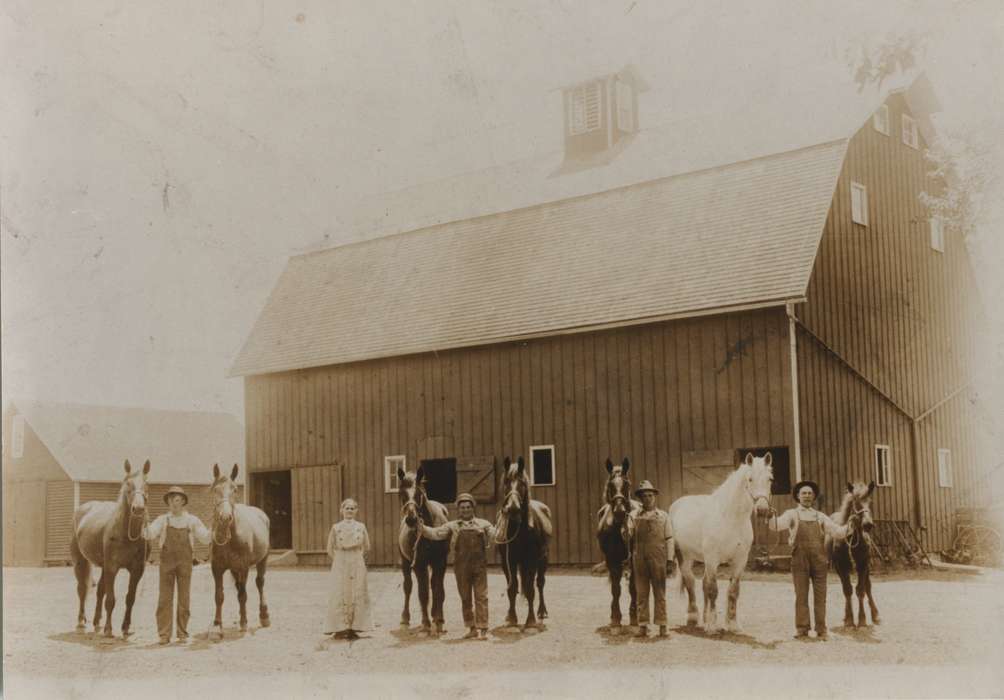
(240, 541)
(109, 535)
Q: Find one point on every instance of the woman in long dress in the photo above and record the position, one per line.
(349, 602)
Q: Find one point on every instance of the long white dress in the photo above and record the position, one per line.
(349, 601)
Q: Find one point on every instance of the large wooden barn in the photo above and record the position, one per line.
(57, 456)
(676, 297)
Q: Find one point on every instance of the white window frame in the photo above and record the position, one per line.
(880, 120)
(533, 470)
(625, 106)
(945, 468)
(883, 449)
(861, 215)
(909, 127)
(579, 122)
(17, 437)
(390, 465)
(937, 233)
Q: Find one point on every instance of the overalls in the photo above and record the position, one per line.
(470, 569)
(650, 568)
(809, 561)
(175, 566)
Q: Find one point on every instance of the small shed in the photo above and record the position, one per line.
(57, 456)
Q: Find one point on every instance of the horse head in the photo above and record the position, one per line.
(135, 491)
(411, 489)
(618, 489)
(859, 496)
(224, 491)
(759, 477)
(515, 487)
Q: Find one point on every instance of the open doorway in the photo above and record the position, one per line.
(440, 479)
(273, 493)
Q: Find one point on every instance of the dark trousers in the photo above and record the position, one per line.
(473, 580)
(650, 574)
(175, 570)
(809, 566)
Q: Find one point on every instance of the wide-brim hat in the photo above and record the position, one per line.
(466, 497)
(176, 490)
(798, 487)
(644, 486)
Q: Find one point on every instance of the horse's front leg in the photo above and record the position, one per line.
(135, 574)
(438, 593)
(541, 572)
(868, 592)
(512, 587)
(406, 612)
(110, 600)
(632, 595)
(422, 574)
(614, 574)
(688, 582)
(99, 600)
(241, 584)
(731, 615)
(259, 580)
(528, 572)
(218, 571)
(710, 597)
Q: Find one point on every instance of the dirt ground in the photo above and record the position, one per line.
(938, 636)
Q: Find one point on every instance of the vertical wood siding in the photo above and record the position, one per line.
(650, 393)
(900, 313)
(58, 519)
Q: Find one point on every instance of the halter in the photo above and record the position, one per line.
(144, 517)
(855, 536)
(216, 521)
(757, 498)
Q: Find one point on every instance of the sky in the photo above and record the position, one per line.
(161, 161)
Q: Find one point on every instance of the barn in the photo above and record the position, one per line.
(59, 455)
(763, 278)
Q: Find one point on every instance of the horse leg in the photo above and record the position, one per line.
(528, 572)
(218, 572)
(633, 596)
(241, 584)
(687, 581)
(842, 564)
(438, 593)
(135, 574)
(867, 575)
(731, 615)
(512, 584)
(259, 580)
(710, 597)
(406, 612)
(615, 574)
(82, 570)
(99, 601)
(541, 572)
(109, 601)
(422, 574)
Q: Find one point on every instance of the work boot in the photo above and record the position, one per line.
(642, 631)
(482, 635)
(801, 634)
(662, 631)
(471, 634)
(822, 636)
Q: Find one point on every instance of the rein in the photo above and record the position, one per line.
(856, 535)
(501, 519)
(229, 531)
(143, 518)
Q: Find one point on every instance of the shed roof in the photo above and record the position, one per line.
(91, 442)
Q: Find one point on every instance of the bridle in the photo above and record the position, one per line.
(143, 518)
(502, 519)
(217, 520)
(857, 533)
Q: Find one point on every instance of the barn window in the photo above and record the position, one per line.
(944, 468)
(883, 466)
(937, 234)
(880, 120)
(390, 466)
(542, 465)
(779, 463)
(440, 479)
(859, 204)
(584, 108)
(910, 137)
(625, 106)
(17, 437)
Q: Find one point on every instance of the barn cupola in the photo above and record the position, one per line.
(600, 114)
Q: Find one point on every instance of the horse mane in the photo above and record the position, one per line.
(732, 482)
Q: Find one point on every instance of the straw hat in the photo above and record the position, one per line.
(176, 490)
(644, 486)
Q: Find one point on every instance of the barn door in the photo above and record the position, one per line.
(476, 476)
(706, 470)
(317, 495)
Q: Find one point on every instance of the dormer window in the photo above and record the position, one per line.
(910, 137)
(880, 120)
(584, 108)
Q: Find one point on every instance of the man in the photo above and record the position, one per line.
(470, 538)
(176, 532)
(809, 563)
(653, 546)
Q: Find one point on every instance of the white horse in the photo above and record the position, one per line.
(717, 529)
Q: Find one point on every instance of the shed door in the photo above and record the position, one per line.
(271, 491)
(476, 476)
(706, 470)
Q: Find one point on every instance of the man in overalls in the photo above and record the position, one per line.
(807, 528)
(653, 546)
(176, 532)
(470, 538)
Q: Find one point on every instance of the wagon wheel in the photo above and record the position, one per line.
(979, 545)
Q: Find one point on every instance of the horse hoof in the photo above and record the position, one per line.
(126, 633)
(81, 627)
(265, 622)
(876, 621)
(109, 634)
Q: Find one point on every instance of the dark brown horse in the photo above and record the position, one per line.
(614, 533)
(109, 535)
(240, 541)
(523, 532)
(856, 549)
(425, 557)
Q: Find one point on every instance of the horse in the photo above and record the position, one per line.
(614, 531)
(717, 529)
(522, 534)
(110, 535)
(425, 557)
(857, 546)
(240, 541)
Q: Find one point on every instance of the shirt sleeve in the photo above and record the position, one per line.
(331, 542)
(781, 522)
(832, 529)
(442, 532)
(668, 526)
(153, 529)
(201, 532)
